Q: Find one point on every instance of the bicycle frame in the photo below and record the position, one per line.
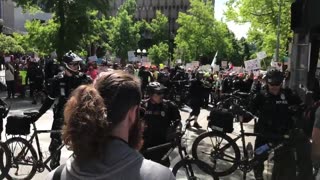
(35, 136)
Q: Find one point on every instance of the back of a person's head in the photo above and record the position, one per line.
(93, 111)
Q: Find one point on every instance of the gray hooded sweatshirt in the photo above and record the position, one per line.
(119, 163)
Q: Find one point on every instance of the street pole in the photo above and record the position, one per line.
(278, 32)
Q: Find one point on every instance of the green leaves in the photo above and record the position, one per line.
(9, 45)
(263, 16)
(159, 53)
(123, 33)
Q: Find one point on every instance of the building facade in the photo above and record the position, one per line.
(146, 9)
(14, 18)
(305, 54)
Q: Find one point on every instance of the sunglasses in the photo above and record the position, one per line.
(274, 84)
(74, 64)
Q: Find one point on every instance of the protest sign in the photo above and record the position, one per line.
(195, 64)
(253, 64)
(189, 66)
(131, 56)
(224, 64)
(93, 58)
(261, 55)
(7, 59)
(206, 68)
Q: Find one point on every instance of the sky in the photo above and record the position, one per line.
(239, 30)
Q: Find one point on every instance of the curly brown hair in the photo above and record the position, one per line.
(85, 122)
(93, 111)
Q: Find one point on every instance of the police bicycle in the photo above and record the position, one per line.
(25, 160)
(222, 152)
(187, 168)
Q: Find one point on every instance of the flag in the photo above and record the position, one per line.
(213, 64)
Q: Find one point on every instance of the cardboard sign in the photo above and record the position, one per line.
(93, 58)
(195, 63)
(261, 55)
(131, 56)
(216, 68)
(7, 59)
(206, 68)
(237, 69)
(189, 66)
(253, 64)
(224, 64)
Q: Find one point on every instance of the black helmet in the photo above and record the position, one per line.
(155, 87)
(71, 57)
(274, 77)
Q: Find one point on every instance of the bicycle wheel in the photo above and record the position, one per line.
(23, 159)
(5, 159)
(192, 169)
(217, 150)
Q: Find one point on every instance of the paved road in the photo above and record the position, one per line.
(21, 105)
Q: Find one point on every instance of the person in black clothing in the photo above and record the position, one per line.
(145, 76)
(162, 119)
(60, 87)
(226, 84)
(196, 98)
(238, 83)
(275, 118)
(35, 79)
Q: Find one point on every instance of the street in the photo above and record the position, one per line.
(18, 106)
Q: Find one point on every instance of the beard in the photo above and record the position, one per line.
(136, 134)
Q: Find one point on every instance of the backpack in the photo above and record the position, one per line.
(309, 118)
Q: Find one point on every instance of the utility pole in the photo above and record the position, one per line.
(278, 32)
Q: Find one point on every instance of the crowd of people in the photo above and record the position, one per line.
(102, 107)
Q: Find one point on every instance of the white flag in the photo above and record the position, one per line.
(213, 64)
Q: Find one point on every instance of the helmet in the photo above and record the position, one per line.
(71, 57)
(155, 87)
(274, 77)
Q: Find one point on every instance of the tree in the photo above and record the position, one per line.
(123, 34)
(9, 45)
(263, 16)
(158, 28)
(200, 34)
(159, 53)
(71, 16)
(41, 37)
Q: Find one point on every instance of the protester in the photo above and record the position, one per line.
(104, 129)
(10, 80)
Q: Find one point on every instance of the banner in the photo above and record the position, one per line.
(253, 64)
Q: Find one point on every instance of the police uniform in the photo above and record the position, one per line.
(275, 119)
(60, 87)
(161, 123)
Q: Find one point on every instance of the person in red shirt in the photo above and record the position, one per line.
(92, 71)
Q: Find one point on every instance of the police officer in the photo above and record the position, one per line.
(273, 109)
(162, 118)
(60, 87)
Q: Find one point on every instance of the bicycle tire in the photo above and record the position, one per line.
(4, 152)
(187, 163)
(15, 162)
(236, 150)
